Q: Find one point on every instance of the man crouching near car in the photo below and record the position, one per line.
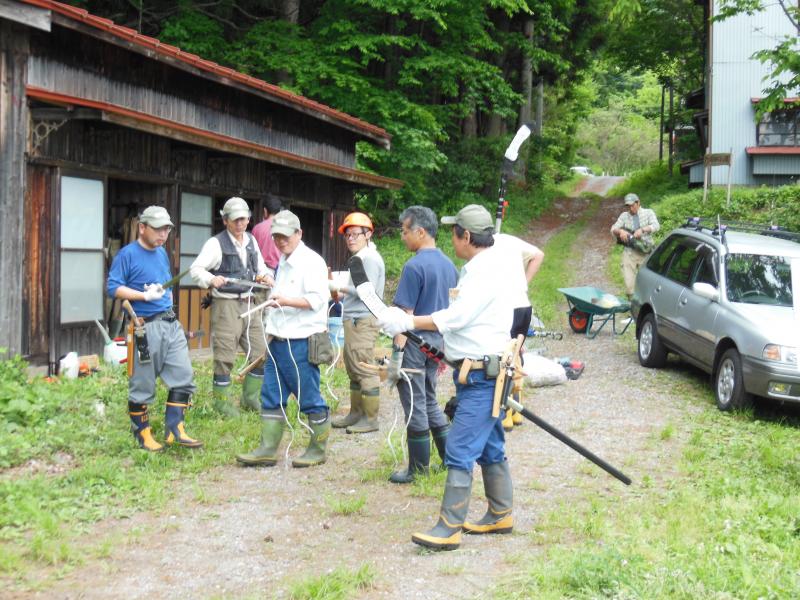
(634, 229)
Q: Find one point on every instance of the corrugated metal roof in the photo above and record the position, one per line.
(165, 50)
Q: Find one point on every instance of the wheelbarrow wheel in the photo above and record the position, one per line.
(578, 320)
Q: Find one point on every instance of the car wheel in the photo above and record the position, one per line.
(652, 353)
(729, 385)
(578, 320)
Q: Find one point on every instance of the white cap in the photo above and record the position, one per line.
(155, 216)
(235, 208)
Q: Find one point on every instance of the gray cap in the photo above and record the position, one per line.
(235, 208)
(155, 216)
(285, 223)
(631, 199)
(473, 218)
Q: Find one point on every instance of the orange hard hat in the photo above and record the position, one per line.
(356, 219)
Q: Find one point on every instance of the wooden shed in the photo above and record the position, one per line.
(98, 122)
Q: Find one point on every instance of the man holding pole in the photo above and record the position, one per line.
(135, 276)
(475, 330)
(233, 254)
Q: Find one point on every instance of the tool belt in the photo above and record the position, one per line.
(489, 364)
(167, 316)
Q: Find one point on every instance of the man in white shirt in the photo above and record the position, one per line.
(233, 253)
(298, 311)
(474, 326)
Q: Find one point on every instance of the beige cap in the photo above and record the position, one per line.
(285, 223)
(631, 199)
(473, 218)
(155, 216)
(235, 208)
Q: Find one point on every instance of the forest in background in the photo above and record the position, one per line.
(451, 80)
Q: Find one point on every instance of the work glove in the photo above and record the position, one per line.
(333, 286)
(395, 321)
(393, 369)
(450, 408)
(153, 291)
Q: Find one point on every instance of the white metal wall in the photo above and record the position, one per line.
(736, 78)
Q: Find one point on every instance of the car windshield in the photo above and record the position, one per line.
(759, 279)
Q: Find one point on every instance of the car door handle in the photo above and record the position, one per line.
(684, 301)
(658, 288)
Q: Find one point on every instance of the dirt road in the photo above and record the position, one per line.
(252, 532)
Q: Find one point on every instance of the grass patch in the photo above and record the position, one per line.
(728, 527)
(345, 506)
(336, 585)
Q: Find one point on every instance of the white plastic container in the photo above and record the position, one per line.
(68, 366)
(115, 352)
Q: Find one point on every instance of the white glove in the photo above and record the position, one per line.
(153, 291)
(395, 321)
(393, 369)
(333, 286)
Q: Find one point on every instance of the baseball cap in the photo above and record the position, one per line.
(473, 218)
(631, 199)
(155, 216)
(235, 208)
(285, 223)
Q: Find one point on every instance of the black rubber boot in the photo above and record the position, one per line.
(140, 427)
(266, 455)
(500, 496)
(440, 439)
(446, 534)
(419, 457)
(177, 403)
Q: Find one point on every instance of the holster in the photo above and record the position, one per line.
(142, 348)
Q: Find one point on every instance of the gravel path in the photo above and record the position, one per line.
(257, 530)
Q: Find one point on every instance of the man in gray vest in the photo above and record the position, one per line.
(233, 254)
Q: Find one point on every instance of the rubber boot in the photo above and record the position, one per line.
(500, 496)
(508, 420)
(272, 425)
(446, 534)
(370, 402)
(251, 392)
(140, 427)
(356, 411)
(220, 401)
(315, 451)
(419, 457)
(516, 417)
(440, 440)
(177, 403)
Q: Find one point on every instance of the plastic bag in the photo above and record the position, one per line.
(542, 371)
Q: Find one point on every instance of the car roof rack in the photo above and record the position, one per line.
(718, 228)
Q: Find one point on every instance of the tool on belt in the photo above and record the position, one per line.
(137, 335)
(508, 371)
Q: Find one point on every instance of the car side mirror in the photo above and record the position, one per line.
(706, 290)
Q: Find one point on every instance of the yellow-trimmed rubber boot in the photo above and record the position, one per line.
(251, 390)
(446, 534)
(508, 420)
(500, 496)
(370, 402)
(356, 410)
(320, 432)
(177, 403)
(140, 427)
(266, 455)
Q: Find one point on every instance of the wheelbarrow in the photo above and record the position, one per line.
(590, 305)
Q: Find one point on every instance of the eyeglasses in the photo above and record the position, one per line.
(164, 229)
(353, 236)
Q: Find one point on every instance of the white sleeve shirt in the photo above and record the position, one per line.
(518, 254)
(303, 274)
(210, 258)
(478, 320)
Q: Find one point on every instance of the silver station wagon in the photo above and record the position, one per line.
(720, 296)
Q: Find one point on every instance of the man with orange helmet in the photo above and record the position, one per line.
(361, 330)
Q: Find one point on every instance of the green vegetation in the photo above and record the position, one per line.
(336, 585)
(344, 506)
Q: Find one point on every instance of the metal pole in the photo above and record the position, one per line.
(661, 127)
(671, 125)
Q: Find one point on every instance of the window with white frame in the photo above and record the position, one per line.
(195, 229)
(82, 260)
(779, 128)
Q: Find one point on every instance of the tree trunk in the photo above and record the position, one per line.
(526, 75)
(290, 12)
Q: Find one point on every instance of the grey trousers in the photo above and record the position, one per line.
(427, 413)
(169, 355)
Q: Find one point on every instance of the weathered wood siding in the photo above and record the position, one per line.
(99, 71)
(13, 133)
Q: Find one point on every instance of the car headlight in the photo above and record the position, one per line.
(784, 354)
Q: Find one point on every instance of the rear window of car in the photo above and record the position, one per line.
(759, 279)
(658, 260)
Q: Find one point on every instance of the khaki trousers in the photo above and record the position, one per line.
(359, 346)
(631, 261)
(229, 333)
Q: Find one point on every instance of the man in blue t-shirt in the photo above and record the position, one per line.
(424, 288)
(137, 274)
